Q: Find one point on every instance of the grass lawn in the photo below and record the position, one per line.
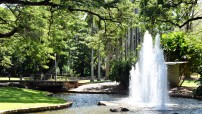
(15, 98)
(190, 83)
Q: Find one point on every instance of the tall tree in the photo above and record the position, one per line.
(70, 6)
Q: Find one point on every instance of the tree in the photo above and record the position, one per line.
(71, 6)
(163, 14)
(37, 30)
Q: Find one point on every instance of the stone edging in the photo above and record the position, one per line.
(38, 109)
(185, 96)
(100, 92)
(93, 92)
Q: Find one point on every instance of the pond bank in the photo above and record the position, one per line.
(100, 88)
(38, 109)
(54, 104)
(114, 88)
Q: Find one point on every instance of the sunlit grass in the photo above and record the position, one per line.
(13, 98)
(190, 83)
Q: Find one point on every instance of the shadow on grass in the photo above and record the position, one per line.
(19, 95)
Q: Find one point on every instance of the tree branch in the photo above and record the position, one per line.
(168, 21)
(49, 3)
(173, 4)
(189, 20)
(8, 34)
(53, 5)
(3, 20)
(21, 2)
(93, 13)
(182, 25)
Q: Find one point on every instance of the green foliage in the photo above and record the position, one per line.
(120, 71)
(175, 46)
(164, 15)
(179, 46)
(42, 31)
(197, 91)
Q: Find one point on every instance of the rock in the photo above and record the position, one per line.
(105, 103)
(119, 109)
(124, 109)
(115, 109)
(101, 103)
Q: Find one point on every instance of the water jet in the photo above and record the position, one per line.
(148, 79)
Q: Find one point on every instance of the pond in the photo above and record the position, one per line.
(87, 104)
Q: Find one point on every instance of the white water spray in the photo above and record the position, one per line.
(148, 83)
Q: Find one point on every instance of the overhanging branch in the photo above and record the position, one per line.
(49, 3)
(9, 34)
(190, 20)
(54, 5)
(182, 25)
(21, 2)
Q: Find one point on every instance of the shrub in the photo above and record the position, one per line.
(175, 46)
(180, 46)
(120, 71)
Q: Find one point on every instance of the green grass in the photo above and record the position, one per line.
(190, 83)
(14, 98)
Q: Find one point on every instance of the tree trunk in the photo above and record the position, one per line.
(132, 41)
(99, 65)
(107, 66)
(92, 51)
(92, 66)
(55, 67)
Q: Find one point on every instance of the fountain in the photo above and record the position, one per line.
(148, 90)
(148, 83)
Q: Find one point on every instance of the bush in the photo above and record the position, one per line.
(120, 71)
(175, 46)
(180, 46)
(197, 91)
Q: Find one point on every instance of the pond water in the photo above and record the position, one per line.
(87, 104)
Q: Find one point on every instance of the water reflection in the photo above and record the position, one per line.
(80, 100)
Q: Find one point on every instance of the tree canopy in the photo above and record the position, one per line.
(166, 14)
(106, 10)
(32, 32)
